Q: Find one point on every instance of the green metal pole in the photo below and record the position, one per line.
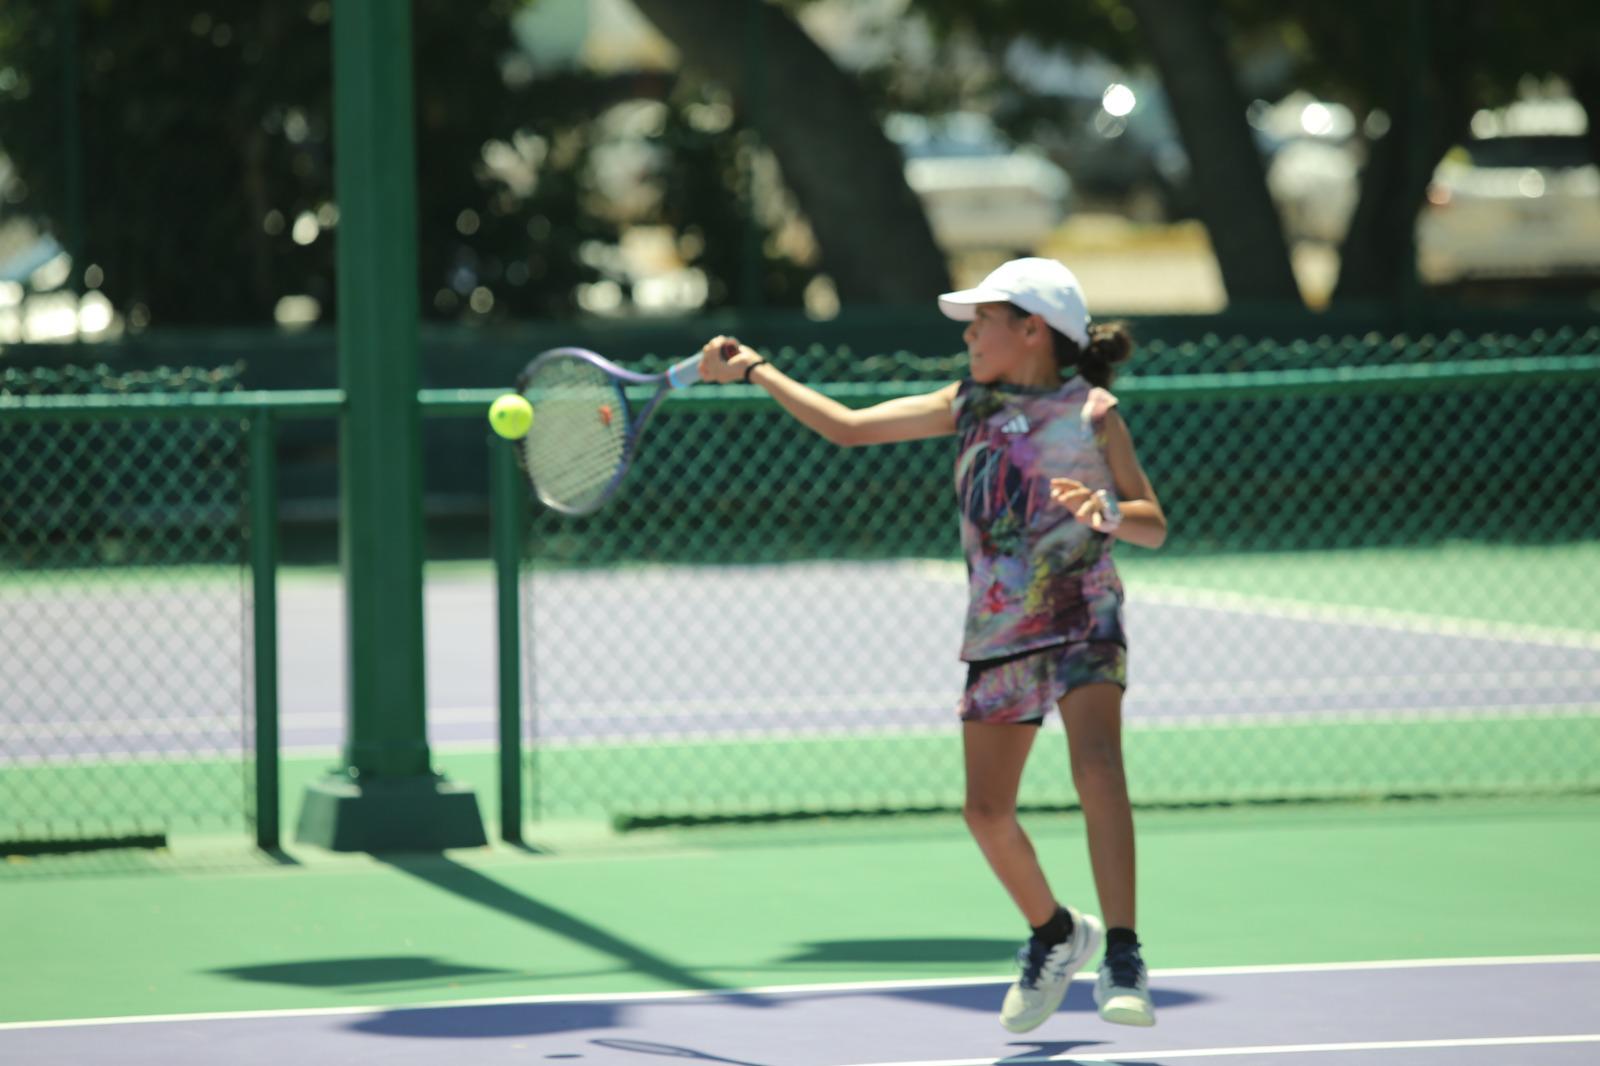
(1416, 104)
(385, 796)
(508, 510)
(263, 571)
(752, 259)
(71, 140)
(380, 447)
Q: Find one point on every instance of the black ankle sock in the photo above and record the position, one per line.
(1121, 935)
(1055, 931)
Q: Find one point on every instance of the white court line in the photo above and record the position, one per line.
(780, 990)
(1368, 617)
(1364, 715)
(1299, 610)
(1352, 684)
(1265, 1049)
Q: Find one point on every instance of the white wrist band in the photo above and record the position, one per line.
(1110, 513)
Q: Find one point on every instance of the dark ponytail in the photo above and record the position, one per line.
(1110, 345)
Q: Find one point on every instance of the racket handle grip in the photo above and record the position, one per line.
(687, 372)
(684, 373)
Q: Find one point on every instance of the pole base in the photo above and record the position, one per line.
(400, 814)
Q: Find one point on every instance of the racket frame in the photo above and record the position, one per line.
(680, 375)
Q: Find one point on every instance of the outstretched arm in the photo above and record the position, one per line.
(905, 418)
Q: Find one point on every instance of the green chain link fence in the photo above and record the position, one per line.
(123, 614)
(1381, 580)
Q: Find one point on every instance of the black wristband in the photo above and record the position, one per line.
(751, 369)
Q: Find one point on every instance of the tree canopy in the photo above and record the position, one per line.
(184, 151)
(201, 178)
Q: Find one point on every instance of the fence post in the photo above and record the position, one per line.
(386, 796)
(71, 139)
(508, 510)
(263, 489)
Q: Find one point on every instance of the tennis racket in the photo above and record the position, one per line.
(585, 432)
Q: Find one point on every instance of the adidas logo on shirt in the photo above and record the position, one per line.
(1018, 424)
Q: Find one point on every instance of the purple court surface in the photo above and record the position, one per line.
(1463, 1012)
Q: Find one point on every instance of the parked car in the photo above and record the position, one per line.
(980, 192)
(1113, 135)
(1513, 203)
(1116, 136)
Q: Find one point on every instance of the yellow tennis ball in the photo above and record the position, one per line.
(511, 416)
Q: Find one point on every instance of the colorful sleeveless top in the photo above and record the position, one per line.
(1037, 577)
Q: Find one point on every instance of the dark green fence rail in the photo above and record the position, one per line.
(1284, 460)
(869, 346)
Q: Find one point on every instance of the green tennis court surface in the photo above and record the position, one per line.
(1448, 582)
(202, 928)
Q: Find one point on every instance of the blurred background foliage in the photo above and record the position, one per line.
(181, 152)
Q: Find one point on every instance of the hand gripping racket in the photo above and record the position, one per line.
(585, 433)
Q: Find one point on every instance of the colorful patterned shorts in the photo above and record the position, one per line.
(1024, 688)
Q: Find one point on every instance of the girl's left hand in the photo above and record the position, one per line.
(1086, 507)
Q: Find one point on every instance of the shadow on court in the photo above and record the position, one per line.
(87, 862)
(385, 971)
(650, 1047)
(689, 1016)
(490, 1021)
(906, 949)
(1433, 1011)
(986, 999)
(468, 884)
(1033, 1050)
(959, 950)
(389, 973)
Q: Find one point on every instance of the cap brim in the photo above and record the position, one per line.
(963, 305)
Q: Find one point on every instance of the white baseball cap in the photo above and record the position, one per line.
(1040, 287)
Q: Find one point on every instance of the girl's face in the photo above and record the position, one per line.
(1002, 346)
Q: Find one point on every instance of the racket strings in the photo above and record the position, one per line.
(579, 438)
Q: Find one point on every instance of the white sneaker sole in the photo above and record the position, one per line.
(1128, 1010)
(1028, 1023)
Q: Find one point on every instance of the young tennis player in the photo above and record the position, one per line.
(1047, 482)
